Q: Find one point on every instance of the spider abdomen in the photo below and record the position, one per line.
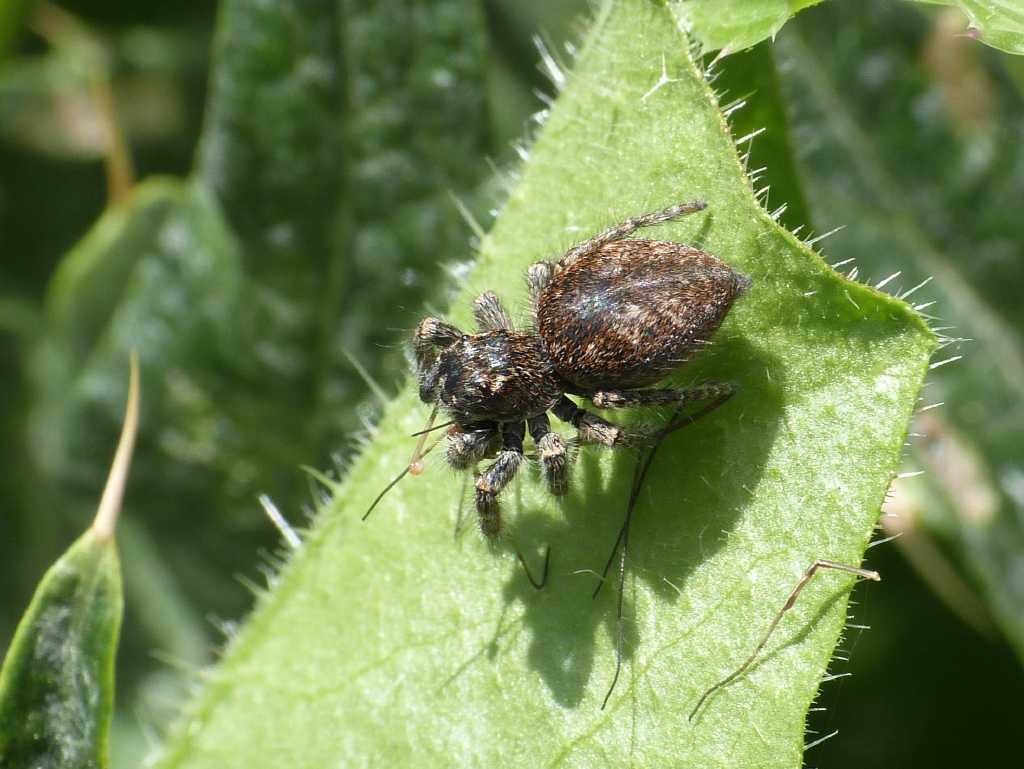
(629, 313)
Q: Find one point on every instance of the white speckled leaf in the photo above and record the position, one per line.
(391, 643)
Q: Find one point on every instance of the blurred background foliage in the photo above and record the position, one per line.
(278, 250)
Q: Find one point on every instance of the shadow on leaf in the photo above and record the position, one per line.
(701, 480)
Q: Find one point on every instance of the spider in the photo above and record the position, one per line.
(611, 319)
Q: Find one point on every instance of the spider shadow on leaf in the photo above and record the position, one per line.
(700, 482)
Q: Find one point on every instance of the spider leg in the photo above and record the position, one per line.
(642, 467)
(431, 334)
(497, 476)
(808, 575)
(460, 513)
(538, 276)
(553, 453)
(471, 443)
(622, 399)
(628, 227)
(592, 428)
(490, 314)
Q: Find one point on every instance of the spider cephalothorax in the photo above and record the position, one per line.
(611, 318)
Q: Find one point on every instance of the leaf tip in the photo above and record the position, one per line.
(105, 522)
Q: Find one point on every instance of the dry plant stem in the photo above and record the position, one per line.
(804, 580)
(113, 493)
(119, 167)
(61, 28)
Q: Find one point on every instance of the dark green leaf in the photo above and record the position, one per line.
(244, 286)
(416, 129)
(57, 685)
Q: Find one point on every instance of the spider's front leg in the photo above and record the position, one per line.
(553, 453)
(431, 334)
(490, 313)
(590, 428)
(469, 444)
(489, 485)
(497, 476)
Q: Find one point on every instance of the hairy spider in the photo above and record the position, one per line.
(612, 317)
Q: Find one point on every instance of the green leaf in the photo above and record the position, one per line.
(227, 285)
(57, 680)
(272, 154)
(748, 83)
(867, 161)
(998, 23)
(733, 25)
(57, 687)
(270, 145)
(389, 641)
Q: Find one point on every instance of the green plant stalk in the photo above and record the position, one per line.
(390, 642)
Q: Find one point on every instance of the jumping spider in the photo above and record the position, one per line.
(611, 318)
